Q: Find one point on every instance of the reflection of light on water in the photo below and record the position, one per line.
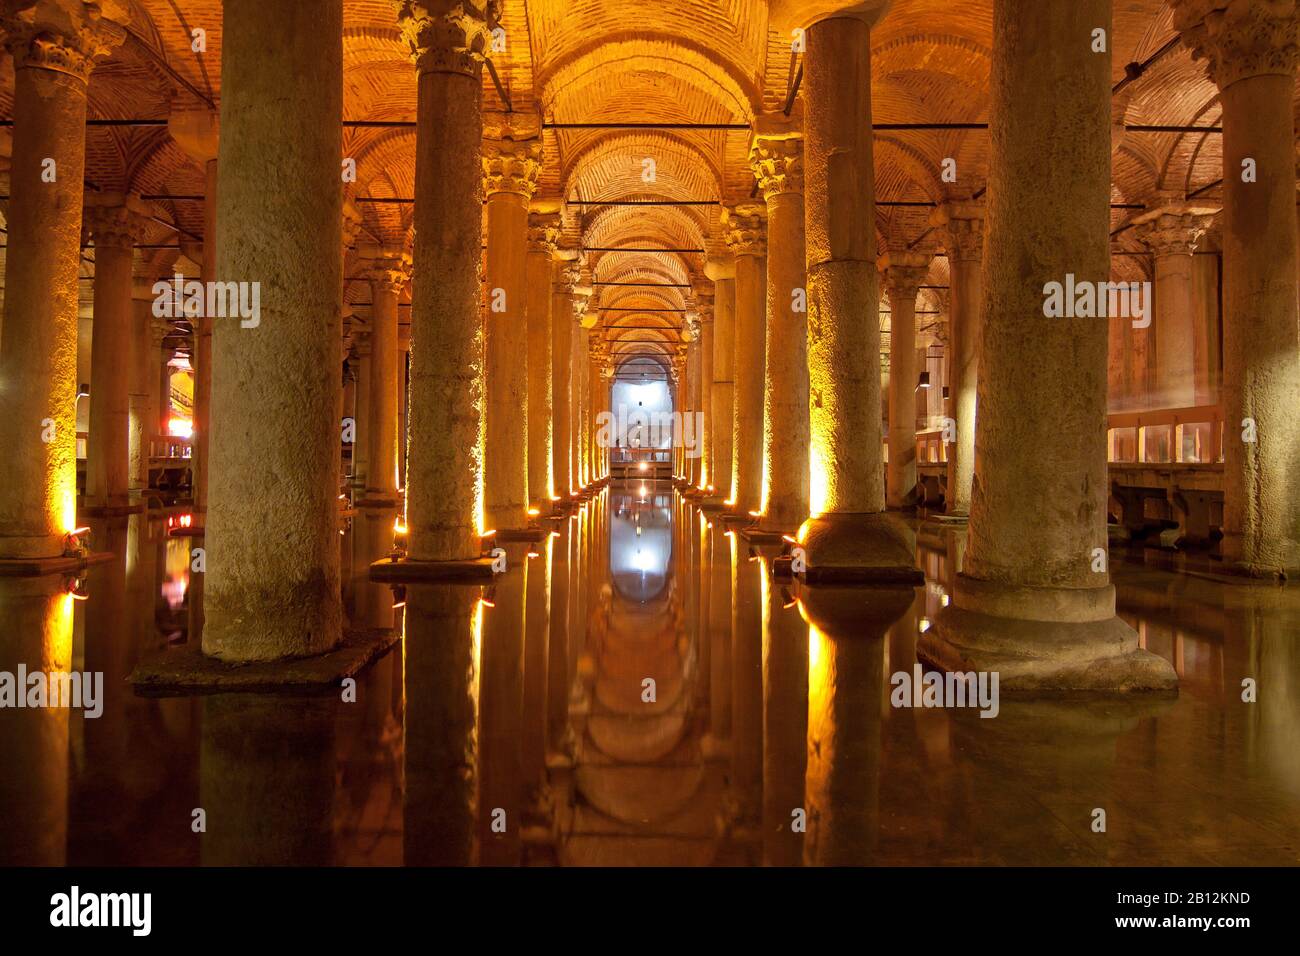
(645, 559)
(176, 576)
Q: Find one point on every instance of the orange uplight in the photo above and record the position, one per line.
(730, 501)
(533, 512)
(642, 467)
(399, 526)
(786, 537)
(533, 554)
(555, 534)
(399, 604)
(486, 603)
(710, 524)
(489, 533)
(78, 597)
(180, 427)
(756, 514)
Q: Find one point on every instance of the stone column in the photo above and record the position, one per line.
(510, 167)
(272, 581)
(1205, 301)
(543, 232)
(388, 270)
(578, 389)
(722, 270)
(53, 47)
(745, 225)
(1034, 600)
(161, 330)
(562, 335)
(962, 229)
(903, 273)
(596, 401)
(143, 400)
(362, 419)
(690, 461)
(114, 223)
(703, 434)
(198, 133)
(1251, 53)
(776, 157)
(1173, 233)
(444, 463)
(846, 534)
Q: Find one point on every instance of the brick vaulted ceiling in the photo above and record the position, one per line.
(650, 61)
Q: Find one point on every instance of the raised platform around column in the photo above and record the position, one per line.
(188, 671)
(63, 564)
(406, 571)
(531, 535)
(111, 511)
(859, 548)
(1042, 640)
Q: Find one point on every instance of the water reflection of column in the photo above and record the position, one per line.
(785, 725)
(699, 583)
(501, 716)
(442, 642)
(845, 680)
(110, 649)
(266, 780)
(719, 637)
(537, 619)
(34, 740)
(563, 570)
(746, 687)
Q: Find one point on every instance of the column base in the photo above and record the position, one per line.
(1043, 640)
(955, 517)
(372, 499)
(859, 548)
(61, 564)
(408, 571)
(188, 671)
(761, 535)
(528, 534)
(111, 510)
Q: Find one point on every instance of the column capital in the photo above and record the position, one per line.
(962, 224)
(351, 223)
(360, 342)
(446, 36)
(719, 263)
(702, 290)
(114, 220)
(544, 230)
(904, 272)
(776, 157)
(568, 273)
(159, 329)
(1239, 39)
(510, 164)
(65, 36)
(744, 227)
(1173, 230)
(387, 267)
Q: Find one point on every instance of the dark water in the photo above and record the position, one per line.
(516, 725)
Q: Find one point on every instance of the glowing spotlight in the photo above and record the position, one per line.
(643, 467)
(533, 512)
(943, 600)
(399, 526)
(924, 625)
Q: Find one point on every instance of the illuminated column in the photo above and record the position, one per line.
(703, 430)
(962, 230)
(690, 461)
(846, 535)
(363, 420)
(597, 354)
(745, 229)
(114, 223)
(578, 389)
(722, 270)
(160, 330)
(776, 156)
(444, 463)
(677, 385)
(605, 393)
(272, 580)
(904, 272)
(543, 231)
(562, 335)
(388, 270)
(1251, 52)
(1034, 600)
(143, 399)
(53, 47)
(1172, 233)
(510, 169)
(198, 133)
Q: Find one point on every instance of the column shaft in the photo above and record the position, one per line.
(562, 385)
(542, 233)
(722, 412)
(745, 225)
(108, 448)
(272, 581)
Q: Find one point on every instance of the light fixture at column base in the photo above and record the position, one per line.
(1043, 640)
(859, 548)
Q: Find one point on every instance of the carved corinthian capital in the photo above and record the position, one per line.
(1239, 38)
(65, 36)
(777, 162)
(744, 227)
(447, 36)
(511, 165)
